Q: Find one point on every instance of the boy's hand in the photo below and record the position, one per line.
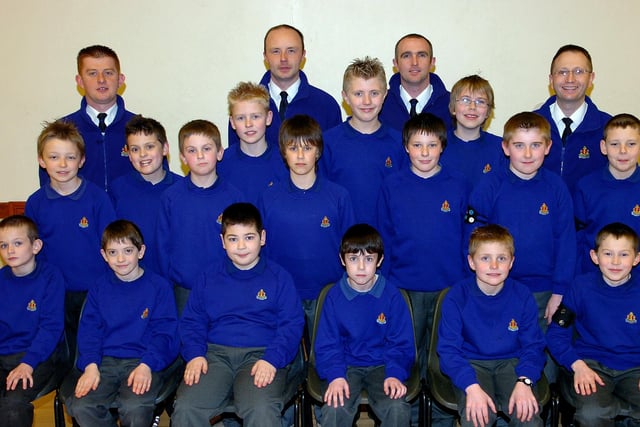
(22, 372)
(394, 388)
(337, 392)
(140, 379)
(88, 381)
(478, 405)
(263, 373)
(524, 402)
(552, 306)
(195, 367)
(585, 378)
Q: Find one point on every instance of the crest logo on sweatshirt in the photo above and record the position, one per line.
(513, 325)
(84, 222)
(261, 295)
(32, 306)
(544, 209)
(636, 210)
(325, 223)
(388, 163)
(445, 207)
(631, 318)
(125, 151)
(145, 313)
(584, 153)
(382, 319)
(486, 168)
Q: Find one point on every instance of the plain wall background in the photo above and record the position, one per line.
(181, 58)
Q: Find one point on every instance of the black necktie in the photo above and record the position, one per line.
(101, 123)
(283, 104)
(412, 112)
(567, 129)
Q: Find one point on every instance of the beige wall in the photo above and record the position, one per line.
(180, 58)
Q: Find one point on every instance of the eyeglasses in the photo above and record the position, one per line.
(479, 103)
(577, 72)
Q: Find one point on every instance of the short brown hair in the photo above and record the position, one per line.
(19, 221)
(147, 126)
(491, 233)
(361, 238)
(617, 230)
(412, 36)
(248, 91)
(621, 121)
(525, 121)
(300, 130)
(62, 130)
(572, 48)
(97, 51)
(365, 68)
(121, 231)
(199, 127)
(474, 84)
(243, 214)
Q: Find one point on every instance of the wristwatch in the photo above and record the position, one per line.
(525, 380)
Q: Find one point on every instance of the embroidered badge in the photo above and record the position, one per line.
(125, 151)
(445, 207)
(84, 222)
(636, 210)
(544, 209)
(219, 219)
(487, 168)
(325, 222)
(32, 306)
(262, 295)
(513, 325)
(381, 320)
(584, 153)
(631, 318)
(145, 314)
(388, 163)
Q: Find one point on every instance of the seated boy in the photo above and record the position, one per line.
(596, 336)
(471, 150)
(364, 339)
(127, 336)
(240, 330)
(136, 195)
(254, 164)
(31, 315)
(307, 213)
(489, 340)
(190, 214)
(611, 194)
(71, 212)
(362, 151)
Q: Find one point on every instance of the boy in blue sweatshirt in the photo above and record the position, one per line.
(240, 330)
(362, 151)
(127, 336)
(489, 340)
(32, 313)
(255, 164)
(191, 210)
(611, 194)
(595, 336)
(136, 195)
(364, 339)
(71, 212)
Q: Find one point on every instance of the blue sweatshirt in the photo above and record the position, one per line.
(580, 155)
(364, 329)
(422, 225)
(129, 320)
(539, 214)
(138, 201)
(71, 228)
(600, 199)
(360, 162)
(304, 230)
(605, 328)
(258, 307)
(309, 100)
(31, 313)
(188, 233)
(476, 326)
(394, 112)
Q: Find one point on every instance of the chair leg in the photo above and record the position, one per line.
(305, 401)
(58, 411)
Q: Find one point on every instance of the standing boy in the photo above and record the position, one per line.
(241, 328)
(364, 339)
(596, 335)
(362, 151)
(127, 336)
(32, 318)
(254, 164)
(489, 341)
(136, 195)
(71, 212)
(191, 210)
(611, 194)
